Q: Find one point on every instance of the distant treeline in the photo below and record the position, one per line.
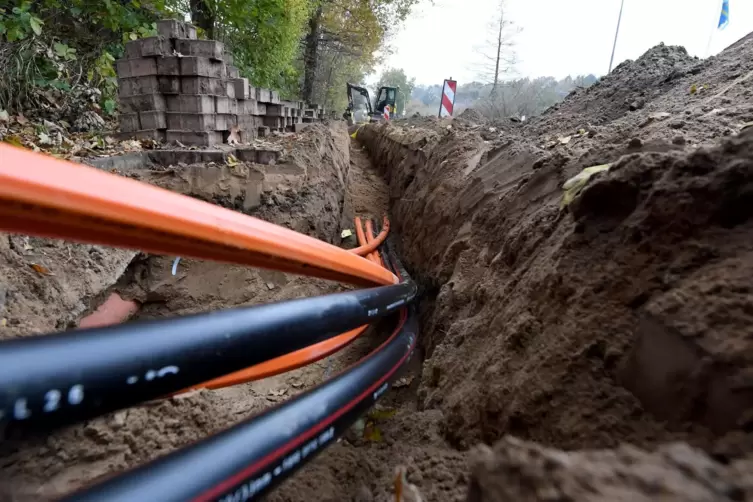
(518, 97)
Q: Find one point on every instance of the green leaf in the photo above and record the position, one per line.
(109, 106)
(60, 49)
(36, 25)
(133, 36)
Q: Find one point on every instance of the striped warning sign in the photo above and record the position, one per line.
(448, 98)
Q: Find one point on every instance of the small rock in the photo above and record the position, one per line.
(270, 285)
(637, 105)
(635, 143)
(677, 124)
(678, 140)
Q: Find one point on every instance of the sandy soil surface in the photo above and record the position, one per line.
(616, 327)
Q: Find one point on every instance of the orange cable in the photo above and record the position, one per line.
(363, 250)
(45, 196)
(369, 239)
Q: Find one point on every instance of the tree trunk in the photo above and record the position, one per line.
(202, 17)
(499, 53)
(311, 56)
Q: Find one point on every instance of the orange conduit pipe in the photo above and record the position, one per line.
(45, 196)
(363, 250)
(369, 239)
(361, 235)
(282, 364)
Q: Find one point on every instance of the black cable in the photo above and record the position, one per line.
(51, 380)
(247, 460)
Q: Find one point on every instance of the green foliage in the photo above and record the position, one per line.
(263, 36)
(19, 23)
(396, 77)
(67, 44)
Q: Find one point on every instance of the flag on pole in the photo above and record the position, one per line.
(724, 16)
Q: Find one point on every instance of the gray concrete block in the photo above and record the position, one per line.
(230, 88)
(139, 67)
(246, 154)
(247, 107)
(275, 111)
(153, 120)
(191, 121)
(127, 162)
(194, 138)
(233, 72)
(148, 47)
(168, 66)
(153, 134)
(242, 89)
(262, 95)
(261, 109)
(129, 122)
(272, 122)
(226, 105)
(169, 85)
(204, 85)
(194, 66)
(203, 48)
(170, 28)
(309, 113)
(191, 103)
(263, 132)
(274, 97)
(309, 120)
(267, 157)
(139, 85)
(143, 103)
(173, 157)
(224, 121)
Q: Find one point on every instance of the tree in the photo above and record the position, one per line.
(263, 35)
(396, 77)
(348, 32)
(498, 52)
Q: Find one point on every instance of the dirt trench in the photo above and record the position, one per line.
(316, 188)
(603, 348)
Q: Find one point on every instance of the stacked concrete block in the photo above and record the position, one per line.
(176, 88)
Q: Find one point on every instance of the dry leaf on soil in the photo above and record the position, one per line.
(40, 269)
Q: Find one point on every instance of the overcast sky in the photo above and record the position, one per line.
(559, 37)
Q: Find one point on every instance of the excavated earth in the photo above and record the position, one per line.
(595, 350)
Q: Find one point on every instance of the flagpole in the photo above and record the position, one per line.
(720, 3)
(616, 33)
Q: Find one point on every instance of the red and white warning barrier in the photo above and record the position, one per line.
(448, 98)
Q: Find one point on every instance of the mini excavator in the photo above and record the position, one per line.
(383, 108)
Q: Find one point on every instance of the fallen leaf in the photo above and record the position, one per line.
(574, 185)
(21, 119)
(41, 270)
(382, 413)
(372, 433)
(746, 125)
(693, 89)
(14, 140)
(231, 160)
(44, 139)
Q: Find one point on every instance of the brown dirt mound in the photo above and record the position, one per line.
(544, 322)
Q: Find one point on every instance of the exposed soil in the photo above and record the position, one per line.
(617, 326)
